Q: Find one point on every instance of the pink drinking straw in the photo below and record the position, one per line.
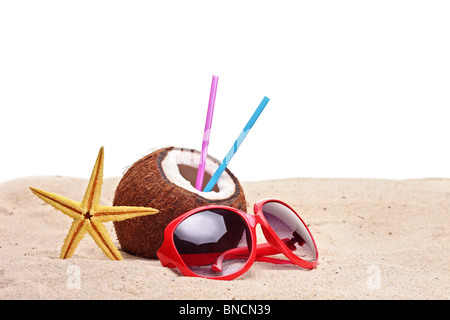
(209, 117)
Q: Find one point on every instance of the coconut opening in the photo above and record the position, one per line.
(181, 165)
(190, 174)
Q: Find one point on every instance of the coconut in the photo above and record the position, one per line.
(165, 180)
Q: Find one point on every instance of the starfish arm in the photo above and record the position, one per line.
(92, 196)
(67, 206)
(103, 240)
(119, 213)
(76, 233)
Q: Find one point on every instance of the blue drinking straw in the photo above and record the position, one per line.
(212, 182)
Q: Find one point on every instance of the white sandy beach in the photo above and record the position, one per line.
(377, 239)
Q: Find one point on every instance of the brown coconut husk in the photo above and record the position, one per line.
(146, 184)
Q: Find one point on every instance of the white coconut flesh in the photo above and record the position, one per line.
(181, 166)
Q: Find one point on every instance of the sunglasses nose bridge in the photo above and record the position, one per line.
(251, 220)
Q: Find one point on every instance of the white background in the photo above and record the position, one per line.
(356, 88)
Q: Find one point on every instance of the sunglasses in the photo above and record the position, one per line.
(219, 242)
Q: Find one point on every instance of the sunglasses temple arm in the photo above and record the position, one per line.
(262, 250)
(235, 253)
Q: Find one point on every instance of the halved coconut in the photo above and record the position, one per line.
(165, 180)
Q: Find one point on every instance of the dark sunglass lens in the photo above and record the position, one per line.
(290, 229)
(213, 242)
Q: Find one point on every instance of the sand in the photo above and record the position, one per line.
(377, 239)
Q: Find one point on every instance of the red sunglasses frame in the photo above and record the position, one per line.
(169, 256)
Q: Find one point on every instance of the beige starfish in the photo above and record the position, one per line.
(89, 215)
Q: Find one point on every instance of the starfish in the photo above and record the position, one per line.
(89, 215)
